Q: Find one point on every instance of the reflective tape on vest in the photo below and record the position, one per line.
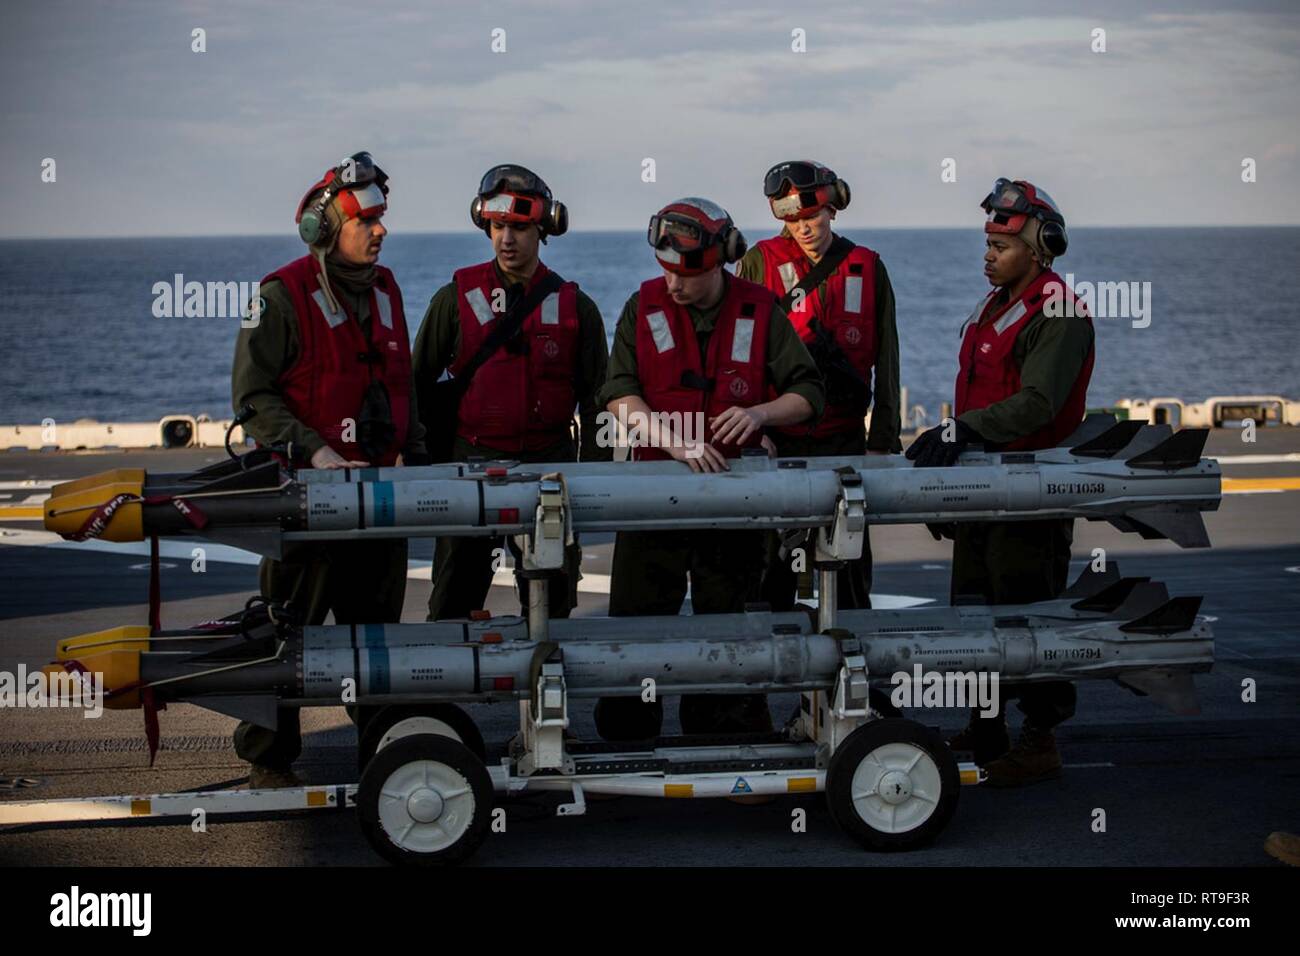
(1014, 314)
(335, 319)
(789, 277)
(551, 309)
(659, 328)
(479, 304)
(853, 294)
(385, 306)
(978, 313)
(742, 341)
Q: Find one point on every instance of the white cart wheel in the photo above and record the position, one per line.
(388, 724)
(892, 785)
(425, 800)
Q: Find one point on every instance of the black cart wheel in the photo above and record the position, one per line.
(387, 724)
(425, 800)
(892, 785)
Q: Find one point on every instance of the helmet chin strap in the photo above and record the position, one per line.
(324, 279)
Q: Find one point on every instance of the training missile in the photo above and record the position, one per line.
(249, 665)
(1142, 478)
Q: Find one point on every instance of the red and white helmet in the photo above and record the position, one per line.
(691, 236)
(802, 188)
(357, 186)
(1010, 206)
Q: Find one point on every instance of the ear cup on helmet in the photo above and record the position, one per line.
(314, 224)
(556, 222)
(733, 245)
(476, 213)
(840, 194)
(309, 228)
(1054, 238)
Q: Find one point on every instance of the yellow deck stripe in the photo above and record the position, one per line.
(20, 512)
(1260, 484)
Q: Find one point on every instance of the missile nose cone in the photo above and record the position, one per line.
(108, 502)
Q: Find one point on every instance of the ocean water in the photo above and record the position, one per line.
(82, 340)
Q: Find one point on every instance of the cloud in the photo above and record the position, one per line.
(1152, 131)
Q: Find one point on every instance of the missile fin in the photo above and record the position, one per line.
(1175, 615)
(1110, 597)
(259, 540)
(1089, 582)
(1120, 523)
(1180, 450)
(1183, 526)
(250, 461)
(1171, 689)
(1148, 437)
(1093, 424)
(257, 709)
(265, 476)
(1145, 598)
(1106, 444)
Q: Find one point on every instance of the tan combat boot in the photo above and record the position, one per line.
(1034, 758)
(1284, 846)
(271, 778)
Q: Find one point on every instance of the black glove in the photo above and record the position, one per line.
(931, 451)
(940, 531)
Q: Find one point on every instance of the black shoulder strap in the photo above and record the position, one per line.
(510, 324)
(837, 253)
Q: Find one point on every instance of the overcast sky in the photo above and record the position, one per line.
(151, 138)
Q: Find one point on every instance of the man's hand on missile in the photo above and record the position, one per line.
(942, 445)
(701, 456)
(327, 457)
(737, 425)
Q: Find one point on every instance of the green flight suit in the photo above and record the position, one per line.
(780, 580)
(463, 567)
(651, 568)
(1016, 562)
(361, 582)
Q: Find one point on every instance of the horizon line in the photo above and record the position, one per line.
(636, 230)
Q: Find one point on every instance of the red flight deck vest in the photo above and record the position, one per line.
(848, 313)
(517, 402)
(988, 372)
(734, 370)
(328, 381)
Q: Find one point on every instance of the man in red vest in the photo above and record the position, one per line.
(718, 359)
(1022, 385)
(506, 352)
(326, 367)
(840, 300)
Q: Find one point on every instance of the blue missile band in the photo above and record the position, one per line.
(365, 474)
(385, 512)
(378, 675)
